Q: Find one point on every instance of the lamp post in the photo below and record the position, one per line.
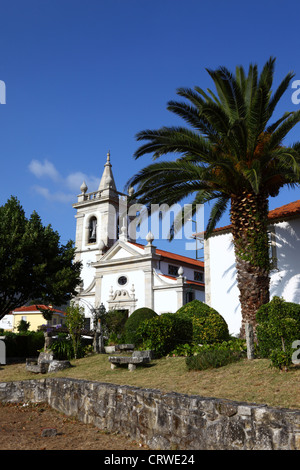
(98, 342)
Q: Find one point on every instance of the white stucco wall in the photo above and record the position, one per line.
(199, 295)
(88, 272)
(165, 301)
(222, 292)
(135, 277)
(222, 283)
(285, 280)
(7, 322)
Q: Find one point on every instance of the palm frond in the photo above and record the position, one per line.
(281, 89)
(281, 132)
(272, 127)
(216, 213)
(172, 140)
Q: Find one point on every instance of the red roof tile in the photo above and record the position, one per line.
(196, 283)
(174, 256)
(280, 213)
(288, 210)
(35, 308)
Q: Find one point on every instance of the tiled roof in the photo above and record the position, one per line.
(285, 212)
(174, 256)
(288, 210)
(35, 309)
(174, 278)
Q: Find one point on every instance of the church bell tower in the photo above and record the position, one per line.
(97, 216)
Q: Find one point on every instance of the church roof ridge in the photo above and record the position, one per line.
(173, 256)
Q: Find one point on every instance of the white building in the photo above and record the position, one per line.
(7, 322)
(120, 273)
(221, 291)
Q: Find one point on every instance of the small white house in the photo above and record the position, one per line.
(221, 291)
(120, 273)
(7, 322)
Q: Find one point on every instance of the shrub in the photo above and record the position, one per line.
(208, 325)
(236, 345)
(164, 332)
(23, 326)
(281, 359)
(63, 349)
(24, 345)
(134, 321)
(114, 324)
(212, 358)
(278, 325)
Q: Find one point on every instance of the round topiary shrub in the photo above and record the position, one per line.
(134, 321)
(278, 326)
(208, 325)
(165, 332)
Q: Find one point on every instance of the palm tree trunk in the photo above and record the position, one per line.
(249, 219)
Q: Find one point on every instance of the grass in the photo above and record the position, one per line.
(246, 381)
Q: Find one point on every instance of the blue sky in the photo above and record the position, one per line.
(83, 77)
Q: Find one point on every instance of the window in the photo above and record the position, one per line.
(87, 323)
(92, 230)
(173, 270)
(122, 280)
(198, 276)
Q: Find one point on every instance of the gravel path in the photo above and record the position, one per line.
(39, 427)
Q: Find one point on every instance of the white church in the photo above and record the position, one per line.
(125, 275)
(117, 271)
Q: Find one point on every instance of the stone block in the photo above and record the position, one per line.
(49, 432)
(55, 366)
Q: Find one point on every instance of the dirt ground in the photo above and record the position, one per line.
(27, 427)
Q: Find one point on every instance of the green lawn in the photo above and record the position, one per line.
(250, 381)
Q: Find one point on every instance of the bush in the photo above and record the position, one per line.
(164, 332)
(114, 325)
(208, 325)
(278, 325)
(212, 358)
(23, 326)
(236, 345)
(134, 321)
(63, 349)
(281, 359)
(24, 345)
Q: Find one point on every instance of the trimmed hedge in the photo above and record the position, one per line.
(134, 321)
(24, 345)
(208, 325)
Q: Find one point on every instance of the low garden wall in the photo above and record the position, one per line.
(164, 421)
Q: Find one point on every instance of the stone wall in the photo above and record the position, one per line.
(164, 421)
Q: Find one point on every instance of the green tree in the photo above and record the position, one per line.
(75, 324)
(34, 265)
(230, 155)
(23, 326)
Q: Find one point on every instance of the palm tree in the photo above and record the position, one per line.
(229, 154)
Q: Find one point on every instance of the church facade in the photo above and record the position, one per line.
(117, 271)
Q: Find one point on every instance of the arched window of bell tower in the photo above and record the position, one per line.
(92, 230)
